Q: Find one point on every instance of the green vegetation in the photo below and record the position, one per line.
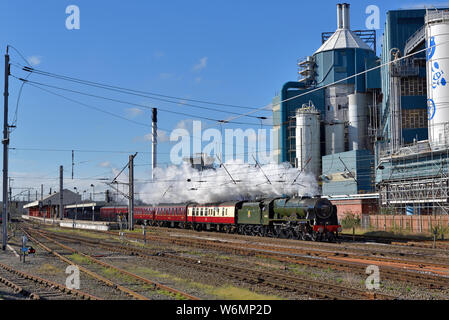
(226, 292)
(234, 293)
(48, 269)
(77, 258)
(350, 221)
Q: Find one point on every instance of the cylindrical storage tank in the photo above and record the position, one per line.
(437, 39)
(358, 121)
(308, 140)
(335, 137)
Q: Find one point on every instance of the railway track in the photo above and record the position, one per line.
(146, 282)
(281, 252)
(36, 288)
(300, 285)
(330, 253)
(419, 276)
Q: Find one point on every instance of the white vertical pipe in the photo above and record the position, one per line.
(339, 16)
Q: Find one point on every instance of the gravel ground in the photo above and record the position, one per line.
(401, 290)
(218, 286)
(47, 266)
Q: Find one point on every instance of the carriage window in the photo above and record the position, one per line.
(201, 211)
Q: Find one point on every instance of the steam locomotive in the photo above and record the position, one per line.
(292, 218)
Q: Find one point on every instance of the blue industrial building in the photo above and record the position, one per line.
(376, 132)
(346, 103)
(411, 176)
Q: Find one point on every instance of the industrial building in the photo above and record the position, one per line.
(411, 169)
(325, 122)
(368, 125)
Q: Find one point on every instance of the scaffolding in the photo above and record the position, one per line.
(417, 182)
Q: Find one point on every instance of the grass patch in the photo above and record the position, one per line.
(84, 233)
(223, 292)
(79, 258)
(234, 293)
(48, 269)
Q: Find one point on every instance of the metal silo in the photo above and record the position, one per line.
(335, 137)
(358, 121)
(437, 39)
(341, 56)
(308, 139)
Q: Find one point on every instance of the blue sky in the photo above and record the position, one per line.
(235, 52)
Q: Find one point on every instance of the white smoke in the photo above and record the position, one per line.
(179, 184)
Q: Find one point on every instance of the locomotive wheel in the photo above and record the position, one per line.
(330, 237)
(289, 234)
(277, 232)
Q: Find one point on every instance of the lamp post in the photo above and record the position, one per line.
(76, 207)
(93, 192)
(93, 201)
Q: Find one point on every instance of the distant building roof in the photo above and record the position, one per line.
(69, 197)
(343, 39)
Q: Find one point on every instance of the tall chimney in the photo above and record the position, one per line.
(154, 144)
(339, 17)
(345, 14)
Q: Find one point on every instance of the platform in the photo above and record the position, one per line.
(78, 224)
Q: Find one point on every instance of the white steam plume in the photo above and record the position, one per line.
(179, 184)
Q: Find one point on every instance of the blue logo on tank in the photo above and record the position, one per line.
(430, 109)
(431, 51)
(437, 76)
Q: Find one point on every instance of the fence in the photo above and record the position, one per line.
(414, 223)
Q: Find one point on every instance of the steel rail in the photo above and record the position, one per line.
(44, 282)
(305, 286)
(87, 271)
(135, 276)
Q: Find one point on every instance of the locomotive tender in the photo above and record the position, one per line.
(294, 218)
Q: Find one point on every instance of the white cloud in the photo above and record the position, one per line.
(134, 112)
(105, 164)
(34, 60)
(201, 64)
(186, 124)
(162, 136)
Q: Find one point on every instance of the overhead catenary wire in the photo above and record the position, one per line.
(339, 81)
(127, 90)
(131, 103)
